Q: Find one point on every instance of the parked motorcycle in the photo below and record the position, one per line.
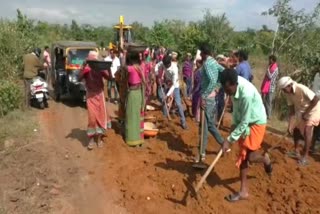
(39, 92)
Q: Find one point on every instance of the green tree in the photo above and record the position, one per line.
(296, 39)
(217, 31)
(76, 31)
(190, 39)
(140, 32)
(160, 36)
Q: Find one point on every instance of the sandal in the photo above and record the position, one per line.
(100, 144)
(235, 197)
(91, 145)
(303, 162)
(293, 154)
(109, 125)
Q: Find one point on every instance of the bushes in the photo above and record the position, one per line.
(16, 39)
(10, 97)
(11, 50)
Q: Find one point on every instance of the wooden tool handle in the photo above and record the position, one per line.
(204, 177)
(278, 143)
(165, 103)
(224, 109)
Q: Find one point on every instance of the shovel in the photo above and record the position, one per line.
(278, 144)
(204, 177)
(165, 103)
(200, 164)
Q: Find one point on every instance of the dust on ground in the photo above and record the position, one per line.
(56, 174)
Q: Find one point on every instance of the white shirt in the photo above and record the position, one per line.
(47, 60)
(172, 74)
(316, 85)
(115, 64)
(159, 66)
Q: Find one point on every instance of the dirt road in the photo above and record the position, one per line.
(61, 176)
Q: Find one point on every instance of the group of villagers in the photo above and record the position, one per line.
(210, 83)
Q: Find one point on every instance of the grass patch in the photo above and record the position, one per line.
(17, 125)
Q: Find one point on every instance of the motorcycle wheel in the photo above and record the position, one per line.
(56, 92)
(56, 96)
(41, 105)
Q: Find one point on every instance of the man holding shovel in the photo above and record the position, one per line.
(304, 115)
(249, 121)
(209, 88)
(171, 77)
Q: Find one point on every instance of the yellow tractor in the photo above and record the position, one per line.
(123, 35)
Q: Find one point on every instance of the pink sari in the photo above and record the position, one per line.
(97, 114)
(147, 72)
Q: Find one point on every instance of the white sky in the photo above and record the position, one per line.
(241, 13)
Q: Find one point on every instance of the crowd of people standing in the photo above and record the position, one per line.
(208, 83)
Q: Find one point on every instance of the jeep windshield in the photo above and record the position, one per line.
(77, 56)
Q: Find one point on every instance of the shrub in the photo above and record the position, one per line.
(10, 97)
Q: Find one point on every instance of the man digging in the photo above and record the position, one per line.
(248, 127)
(304, 115)
(171, 76)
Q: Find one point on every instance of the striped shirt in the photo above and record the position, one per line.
(210, 75)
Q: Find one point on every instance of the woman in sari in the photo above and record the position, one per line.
(196, 92)
(135, 102)
(97, 114)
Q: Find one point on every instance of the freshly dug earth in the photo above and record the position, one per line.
(159, 178)
(56, 174)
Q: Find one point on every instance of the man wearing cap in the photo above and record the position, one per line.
(304, 115)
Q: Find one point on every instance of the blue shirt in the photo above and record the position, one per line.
(244, 70)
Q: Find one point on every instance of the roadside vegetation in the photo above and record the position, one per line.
(17, 126)
(295, 41)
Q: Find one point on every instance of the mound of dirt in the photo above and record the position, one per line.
(56, 174)
(159, 177)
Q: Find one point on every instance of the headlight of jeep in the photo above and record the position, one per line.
(73, 76)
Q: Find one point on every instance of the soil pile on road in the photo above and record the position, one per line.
(56, 173)
(159, 177)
